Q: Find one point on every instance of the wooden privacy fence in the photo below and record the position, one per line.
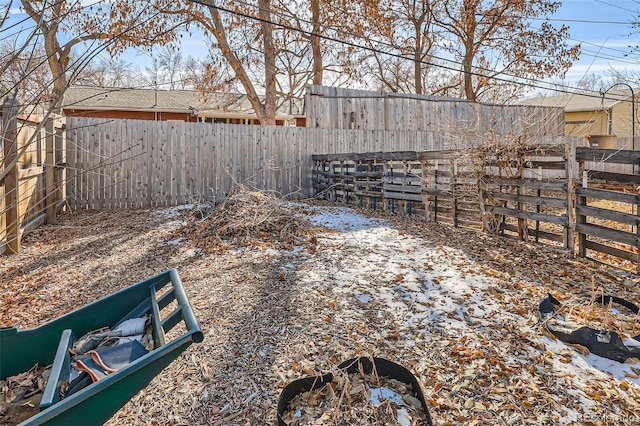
(528, 196)
(340, 108)
(32, 173)
(136, 163)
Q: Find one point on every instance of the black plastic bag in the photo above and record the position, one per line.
(604, 343)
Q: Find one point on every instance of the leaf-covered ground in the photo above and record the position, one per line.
(456, 307)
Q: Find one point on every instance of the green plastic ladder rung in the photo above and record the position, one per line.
(60, 370)
(174, 318)
(157, 324)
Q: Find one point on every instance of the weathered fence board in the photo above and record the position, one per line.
(32, 162)
(135, 163)
(339, 108)
(450, 192)
(528, 189)
(607, 219)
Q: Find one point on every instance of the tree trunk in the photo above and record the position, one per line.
(58, 62)
(269, 63)
(315, 43)
(417, 70)
(467, 70)
(265, 112)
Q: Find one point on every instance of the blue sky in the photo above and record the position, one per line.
(603, 29)
(602, 26)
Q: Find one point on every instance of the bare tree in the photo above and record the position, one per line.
(495, 42)
(407, 29)
(109, 72)
(18, 64)
(77, 21)
(243, 34)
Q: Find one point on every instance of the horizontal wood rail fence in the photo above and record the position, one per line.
(450, 188)
(528, 194)
(607, 205)
(32, 173)
(531, 200)
(375, 180)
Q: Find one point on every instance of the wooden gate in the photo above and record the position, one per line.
(32, 173)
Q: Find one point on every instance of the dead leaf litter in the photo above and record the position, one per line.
(285, 290)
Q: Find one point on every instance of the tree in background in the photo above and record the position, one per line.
(109, 72)
(407, 28)
(275, 47)
(63, 26)
(17, 64)
(79, 23)
(242, 40)
(494, 39)
(266, 47)
(321, 26)
(170, 70)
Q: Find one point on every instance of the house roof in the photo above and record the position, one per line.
(580, 103)
(185, 101)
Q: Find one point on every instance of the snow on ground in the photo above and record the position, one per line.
(434, 298)
(457, 308)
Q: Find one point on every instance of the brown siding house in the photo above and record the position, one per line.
(181, 105)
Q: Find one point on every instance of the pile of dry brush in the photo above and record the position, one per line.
(248, 218)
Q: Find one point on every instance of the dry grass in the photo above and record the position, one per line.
(273, 316)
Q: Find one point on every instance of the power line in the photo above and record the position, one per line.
(542, 83)
(597, 54)
(616, 6)
(581, 21)
(530, 82)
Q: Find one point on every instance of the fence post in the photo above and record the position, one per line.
(637, 235)
(454, 194)
(50, 187)
(581, 219)
(3, 222)
(11, 187)
(637, 247)
(569, 230)
(61, 161)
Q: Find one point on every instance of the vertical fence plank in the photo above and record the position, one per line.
(50, 173)
(10, 181)
(569, 236)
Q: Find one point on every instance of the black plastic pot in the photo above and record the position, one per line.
(383, 367)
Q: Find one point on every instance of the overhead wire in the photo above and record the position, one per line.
(617, 6)
(528, 82)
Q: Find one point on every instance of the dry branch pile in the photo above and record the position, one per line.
(248, 218)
